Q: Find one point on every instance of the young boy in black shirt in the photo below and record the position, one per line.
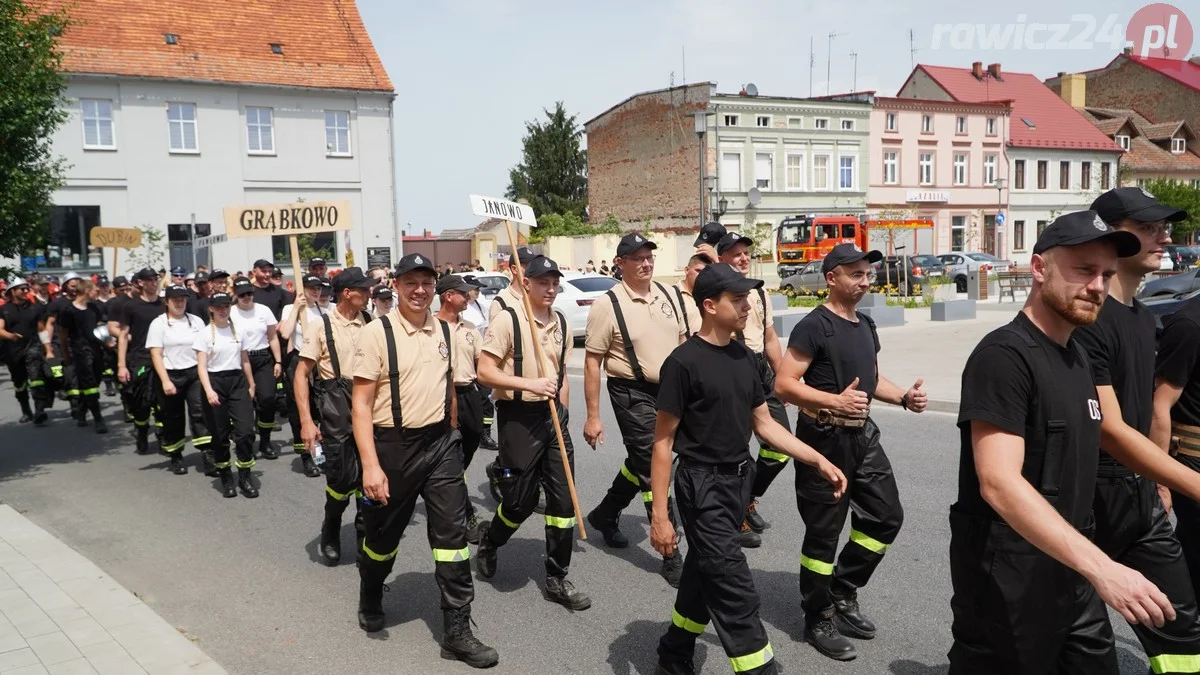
(710, 399)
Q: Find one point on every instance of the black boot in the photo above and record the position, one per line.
(109, 389)
(756, 521)
(748, 538)
(820, 632)
(851, 616)
(206, 461)
(370, 605)
(559, 590)
(78, 411)
(330, 545)
(675, 668)
(485, 555)
(460, 644)
(228, 485)
(93, 406)
(177, 466)
(26, 412)
(265, 448)
(39, 413)
(246, 483)
(310, 467)
(486, 441)
(613, 537)
(143, 440)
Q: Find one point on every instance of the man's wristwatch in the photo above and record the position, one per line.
(904, 401)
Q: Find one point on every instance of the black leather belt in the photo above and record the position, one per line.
(728, 468)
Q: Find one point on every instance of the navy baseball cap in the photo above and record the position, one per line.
(710, 234)
(177, 291)
(352, 277)
(717, 278)
(731, 239)
(540, 267)
(178, 271)
(242, 286)
(847, 254)
(220, 300)
(312, 281)
(525, 254)
(414, 261)
(1084, 227)
(632, 242)
(1136, 203)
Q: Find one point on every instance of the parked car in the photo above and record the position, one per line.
(1180, 257)
(920, 269)
(1163, 306)
(807, 281)
(1175, 284)
(959, 265)
(575, 297)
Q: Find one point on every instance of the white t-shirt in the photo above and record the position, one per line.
(175, 338)
(476, 315)
(310, 314)
(251, 325)
(223, 349)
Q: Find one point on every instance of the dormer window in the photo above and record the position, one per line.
(1178, 146)
(1122, 140)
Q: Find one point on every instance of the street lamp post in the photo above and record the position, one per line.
(999, 210)
(701, 128)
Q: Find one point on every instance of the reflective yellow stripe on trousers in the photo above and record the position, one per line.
(818, 566)
(451, 555)
(1175, 663)
(767, 453)
(379, 557)
(751, 661)
(685, 623)
(869, 543)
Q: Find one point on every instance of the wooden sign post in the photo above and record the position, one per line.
(115, 238)
(489, 207)
(292, 220)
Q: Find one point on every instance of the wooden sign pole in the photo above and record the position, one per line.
(296, 274)
(519, 278)
(115, 252)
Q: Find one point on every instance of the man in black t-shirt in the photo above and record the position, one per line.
(20, 322)
(57, 306)
(1029, 585)
(710, 398)
(133, 358)
(833, 350)
(1132, 525)
(114, 309)
(267, 293)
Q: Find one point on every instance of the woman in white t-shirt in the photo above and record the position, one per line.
(257, 327)
(224, 370)
(170, 338)
(294, 320)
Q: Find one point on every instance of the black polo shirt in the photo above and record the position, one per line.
(22, 319)
(114, 307)
(137, 314)
(1179, 360)
(1015, 387)
(80, 323)
(713, 391)
(272, 297)
(857, 347)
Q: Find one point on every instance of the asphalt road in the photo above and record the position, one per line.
(241, 578)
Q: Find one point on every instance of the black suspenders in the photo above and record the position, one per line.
(687, 328)
(394, 369)
(518, 356)
(332, 348)
(630, 355)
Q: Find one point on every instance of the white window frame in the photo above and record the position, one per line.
(195, 122)
(335, 152)
(961, 172)
(731, 120)
(828, 168)
(891, 165)
(799, 122)
(921, 169)
(990, 164)
(927, 124)
(1196, 183)
(736, 184)
(847, 125)
(821, 123)
(1178, 146)
(991, 126)
(758, 119)
(787, 172)
(853, 173)
(958, 228)
(255, 130)
(890, 123)
(97, 119)
(770, 186)
(1122, 140)
(960, 124)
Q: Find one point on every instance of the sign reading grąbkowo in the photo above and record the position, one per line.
(280, 219)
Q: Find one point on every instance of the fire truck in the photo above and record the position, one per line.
(802, 239)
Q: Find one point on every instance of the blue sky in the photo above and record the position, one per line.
(469, 73)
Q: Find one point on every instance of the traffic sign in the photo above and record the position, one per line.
(207, 242)
(1000, 218)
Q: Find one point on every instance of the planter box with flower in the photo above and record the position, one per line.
(939, 289)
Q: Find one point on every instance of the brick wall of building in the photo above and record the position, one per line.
(1130, 85)
(642, 158)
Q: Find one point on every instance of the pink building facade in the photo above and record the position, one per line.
(943, 161)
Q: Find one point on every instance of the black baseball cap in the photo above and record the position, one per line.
(201, 277)
(260, 263)
(242, 286)
(218, 274)
(311, 281)
(632, 242)
(177, 291)
(414, 261)
(718, 278)
(317, 261)
(103, 281)
(525, 254)
(352, 277)
(730, 239)
(455, 282)
(276, 273)
(220, 300)
(1083, 227)
(381, 293)
(1136, 203)
(540, 267)
(326, 288)
(847, 254)
(178, 271)
(120, 281)
(146, 274)
(710, 234)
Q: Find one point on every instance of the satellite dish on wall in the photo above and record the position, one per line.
(751, 90)
(754, 196)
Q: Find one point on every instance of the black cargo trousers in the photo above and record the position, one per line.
(872, 495)
(716, 583)
(343, 468)
(770, 461)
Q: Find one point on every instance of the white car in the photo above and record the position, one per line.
(575, 295)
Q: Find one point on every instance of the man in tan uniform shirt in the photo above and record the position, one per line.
(689, 311)
(760, 337)
(510, 296)
(631, 330)
(403, 425)
(529, 453)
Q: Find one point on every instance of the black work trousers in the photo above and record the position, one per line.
(175, 410)
(770, 461)
(633, 405)
(874, 524)
(470, 419)
(14, 360)
(1017, 610)
(232, 420)
(262, 367)
(716, 583)
(529, 452)
(343, 468)
(424, 462)
(293, 413)
(142, 391)
(87, 357)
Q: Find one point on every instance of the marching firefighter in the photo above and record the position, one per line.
(510, 296)
(297, 317)
(831, 372)
(454, 291)
(171, 340)
(21, 322)
(81, 349)
(631, 329)
(114, 310)
(707, 374)
(403, 411)
(689, 314)
(223, 368)
(70, 384)
(529, 455)
(257, 325)
(1029, 585)
(324, 372)
(134, 368)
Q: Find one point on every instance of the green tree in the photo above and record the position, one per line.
(1180, 195)
(552, 174)
(31, 108)
(570, 225)
(153, 252)
(307, 245)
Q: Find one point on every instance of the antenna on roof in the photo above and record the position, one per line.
(829, 62)
(812, 59)
(912, 50)
(854, 55)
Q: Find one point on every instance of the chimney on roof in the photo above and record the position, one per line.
(1073, 89)
(994, 71)
(977, 70)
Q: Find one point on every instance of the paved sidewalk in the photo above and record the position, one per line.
(62, 615)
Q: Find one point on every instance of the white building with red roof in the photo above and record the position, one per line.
(1057, 160)
(175, 112)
